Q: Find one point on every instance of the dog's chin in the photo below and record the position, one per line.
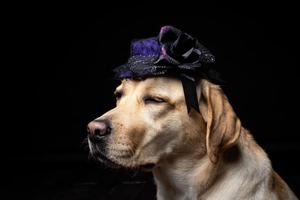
(101, 158)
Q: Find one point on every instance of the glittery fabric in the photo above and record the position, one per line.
(146, 47)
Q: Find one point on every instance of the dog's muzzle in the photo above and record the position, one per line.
(98, 132)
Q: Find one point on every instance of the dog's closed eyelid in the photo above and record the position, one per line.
(153, 99)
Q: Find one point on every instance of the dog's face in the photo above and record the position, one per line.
(150, 123)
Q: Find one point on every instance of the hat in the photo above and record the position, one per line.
(172, 52)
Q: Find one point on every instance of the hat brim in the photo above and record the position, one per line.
(141, 67)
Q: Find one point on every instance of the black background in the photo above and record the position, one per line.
(62, 56)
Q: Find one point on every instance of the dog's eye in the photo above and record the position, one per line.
(150, 99)
(118, 94)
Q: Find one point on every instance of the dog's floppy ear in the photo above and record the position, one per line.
(223, 127)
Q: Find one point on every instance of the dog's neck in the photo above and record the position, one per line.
(176, 180)
(191, 177)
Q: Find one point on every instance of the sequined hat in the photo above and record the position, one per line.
(172, 52)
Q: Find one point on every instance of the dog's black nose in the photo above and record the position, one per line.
(99, 128)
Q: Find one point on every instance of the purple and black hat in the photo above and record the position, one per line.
(172, 52)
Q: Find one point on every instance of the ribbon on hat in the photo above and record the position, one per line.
(190, 94)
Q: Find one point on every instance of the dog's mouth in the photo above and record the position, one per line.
(98, 155)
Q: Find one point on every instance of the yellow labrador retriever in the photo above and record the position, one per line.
(206, 155)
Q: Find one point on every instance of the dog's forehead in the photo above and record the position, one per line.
(156, 84)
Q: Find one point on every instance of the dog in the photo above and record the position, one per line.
(207, 155)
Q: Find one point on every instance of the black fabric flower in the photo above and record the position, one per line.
(181, 49)
(171, 52)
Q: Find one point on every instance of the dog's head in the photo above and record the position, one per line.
(150, 123)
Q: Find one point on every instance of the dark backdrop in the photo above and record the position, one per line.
(62, 79)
